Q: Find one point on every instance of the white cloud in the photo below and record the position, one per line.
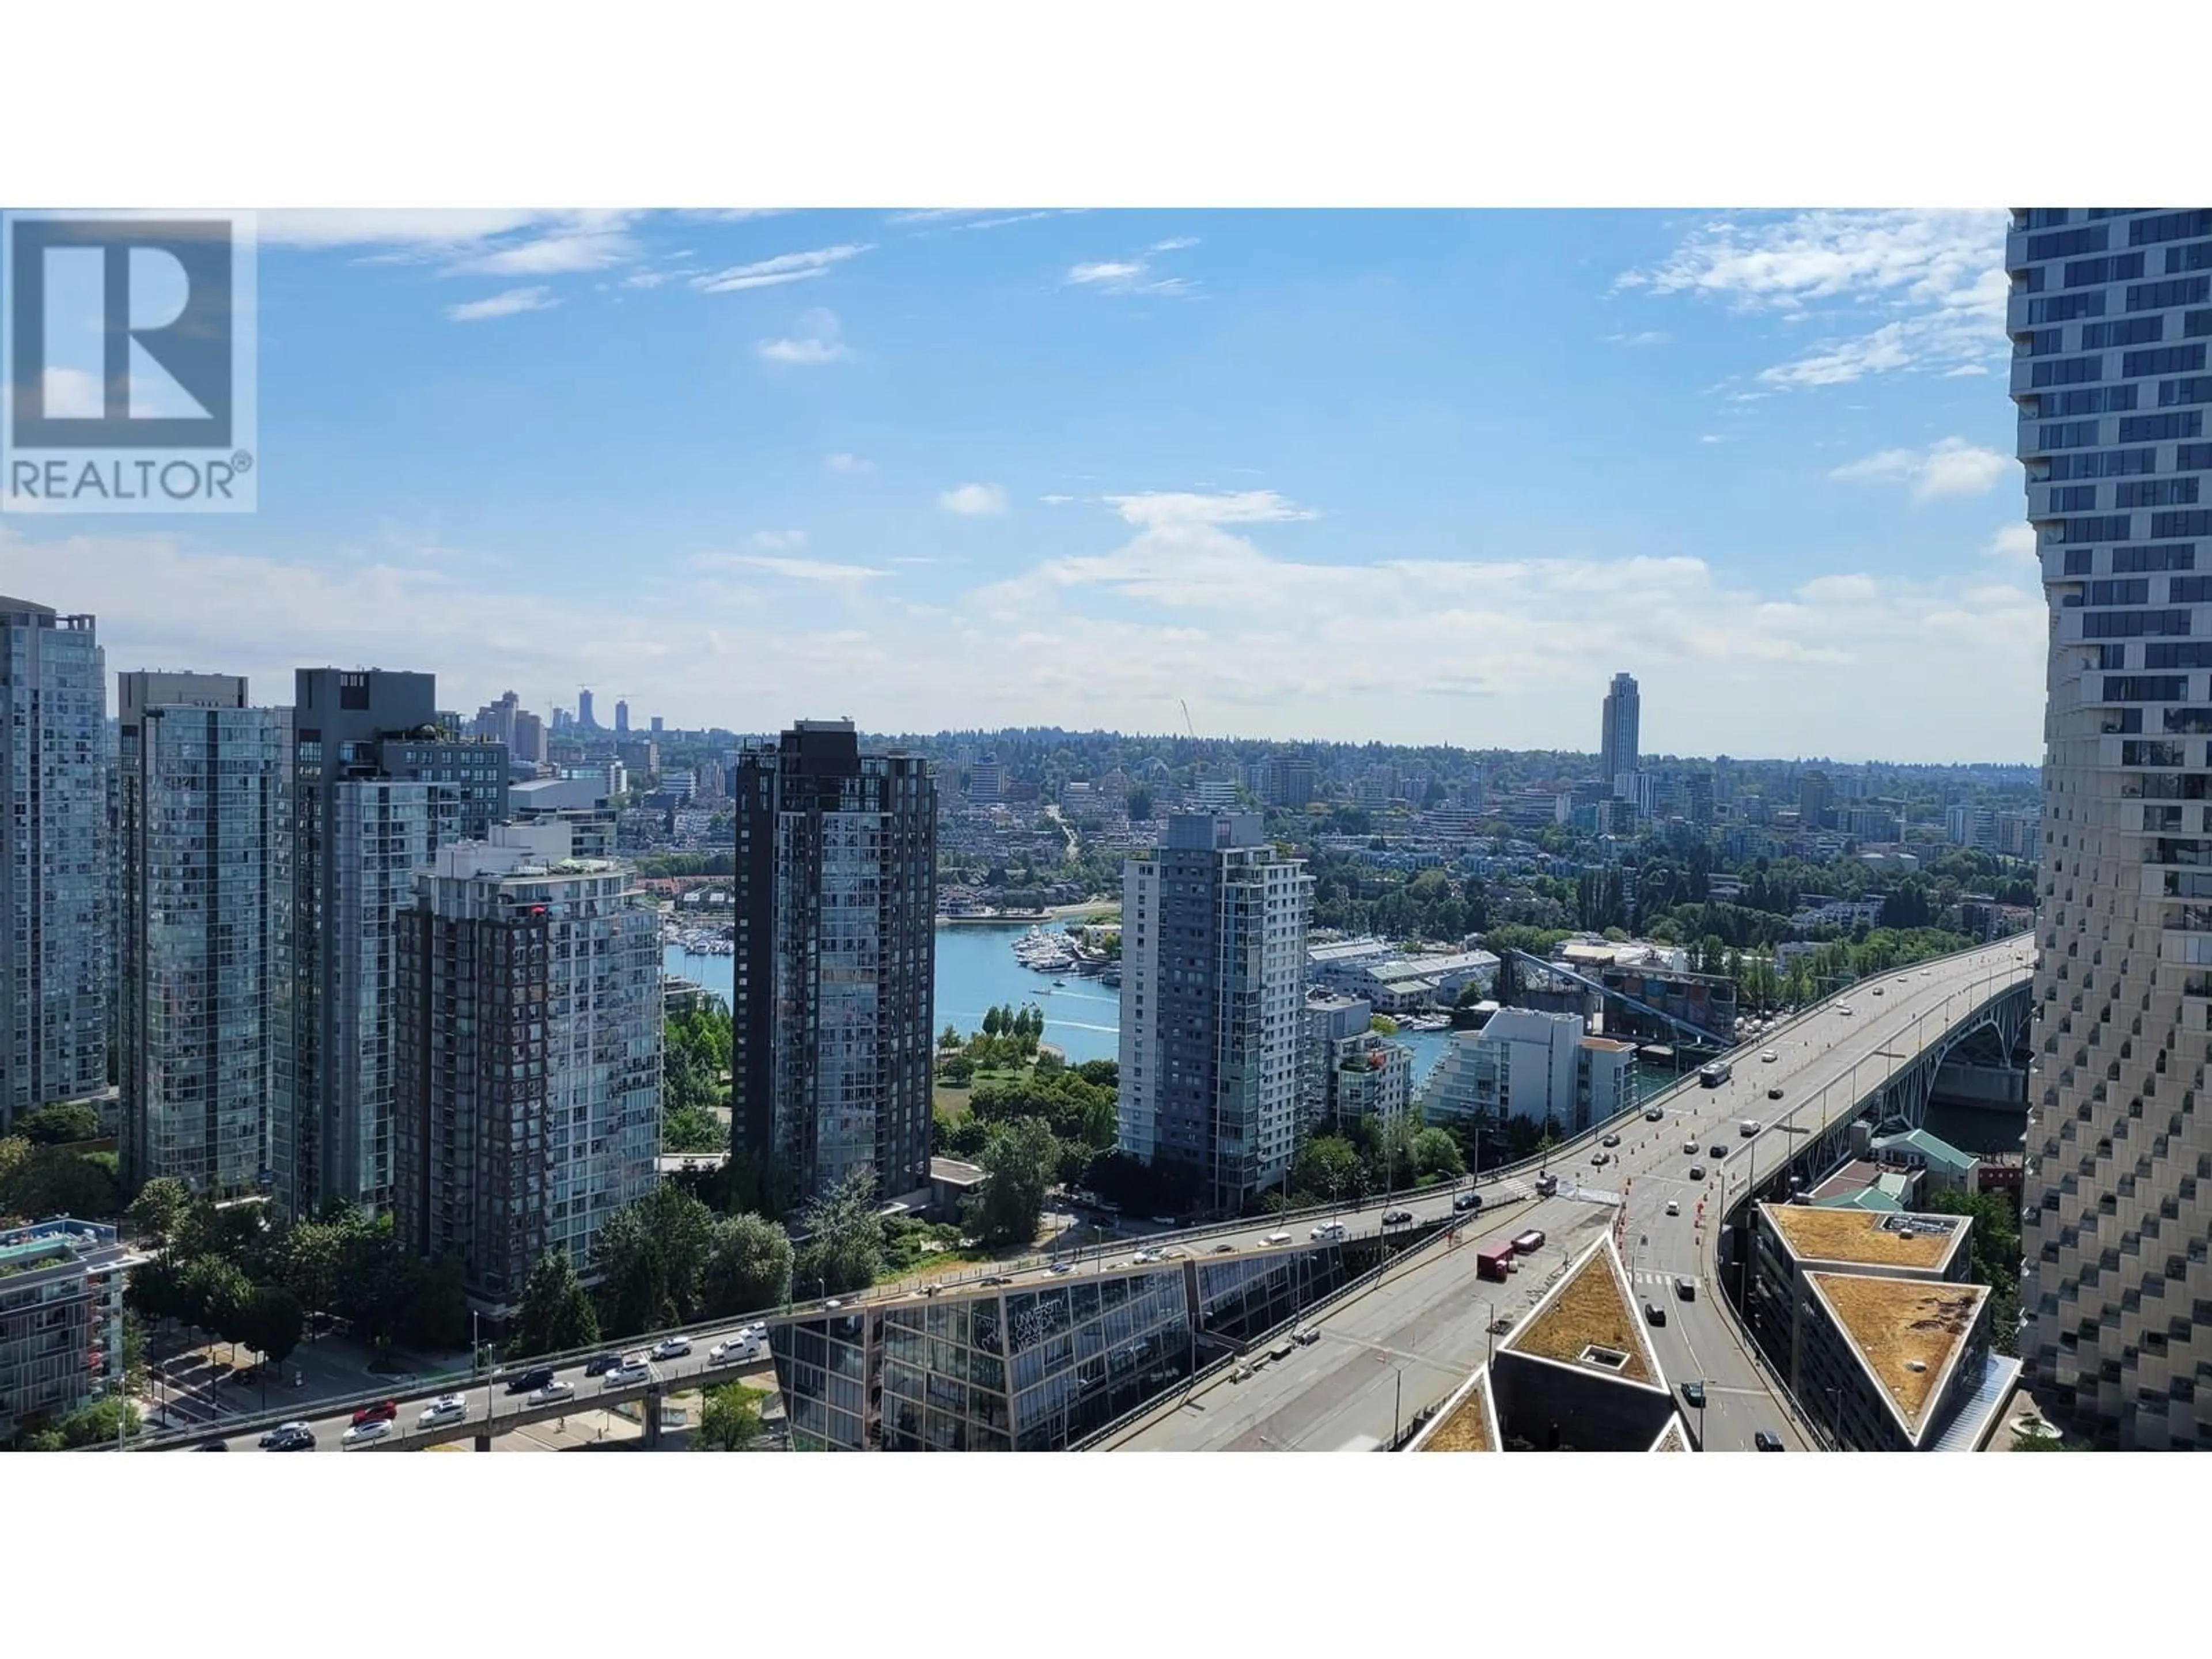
(783, 268)
(772, 539)
(508, 304)
(1106, 271)
(429, 228)
(1055, 501)
(1938, 275)
(799, 570)
(1260, 645)
(1951, 467)
(592, 242)
(1131, 275)
(1240, 506)
(1710, 438)
(1650, 337)
(2015, 541)
(974, 499)
(850, 465)
(1964, 368)
(1857, 589)
(816, 341)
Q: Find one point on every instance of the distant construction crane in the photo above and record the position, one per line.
(1187, 723)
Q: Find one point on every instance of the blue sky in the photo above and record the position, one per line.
(1417, 477)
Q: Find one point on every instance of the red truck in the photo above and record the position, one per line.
(1494, 1261)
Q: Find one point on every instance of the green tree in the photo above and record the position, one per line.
(440, 1317)
(651, 1258)
(729, 1418)
(216, 1296)
(158, 1209)
(308, 1264)
(690, 1129)
(991, 1023)
(748, 1265)
(59, 1124)
(556, 1315)
(272, 1324)
(38, 1181)
(1327, 1167)
(1019, 1162)
(948, 1039)
(1436, 1153)
(94, 1424)
(841, 1239)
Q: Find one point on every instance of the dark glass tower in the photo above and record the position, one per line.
(836, 907)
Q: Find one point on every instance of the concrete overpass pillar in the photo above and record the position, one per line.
(652, 1419)
(482, 1443)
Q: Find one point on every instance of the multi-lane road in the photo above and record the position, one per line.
(1386, 1354)
(1404, 1345)
(487, 1408)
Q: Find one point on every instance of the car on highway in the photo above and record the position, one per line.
(1717, 1151)
(1693, 1393)
(1877, 990)
(1686, 1289)
(1305, 1336)
(1278, 1237)
(1467, 1201)
(1222, 1249)
(1689, 1146)
(1397, 1217)
(1176, 1253)
(268, 1441)
(361, 1433)
(1750, 1126)
(1767, 1440)
(671, 1348)
(987, 1278)
(214, 1445)
(1654, 1115)
(530, 1380)
(1610, 1140)
(1697, 1172)
(1842, 1007)
(1058, 1267)
(1656, 1314)
(1775, 1093)
(557, 1389)
(1328, 1230)
(446, 1408)
(382, 1412)
(1770, 1057)
(1599, 1160)
(1163, 1221)
(759, 1328)
(600, 1365)
(632, 1372)
(1674, 1208)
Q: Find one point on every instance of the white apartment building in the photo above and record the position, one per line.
(1214, 957)
(1542, 1068)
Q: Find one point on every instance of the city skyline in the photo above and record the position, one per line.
(1328, 469)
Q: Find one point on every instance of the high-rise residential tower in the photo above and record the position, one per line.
(584, 718)
(2111, 313)
(622, 717)
(836, 910)
(1214, 957)
(377, 788)
(202, 892)
(54, 939)
(528, 1038)
(1617, 749)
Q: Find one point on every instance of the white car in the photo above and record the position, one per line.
(446, 1408)
(1770, 1057)
(1276, 1238)
(672, 1347)
(557, 1389)
(361, 1433)
(1673, 1208)
(743, 1346)
(1329, 1230)
(1842, 1007)
(759, 1328)
(631, 1372)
